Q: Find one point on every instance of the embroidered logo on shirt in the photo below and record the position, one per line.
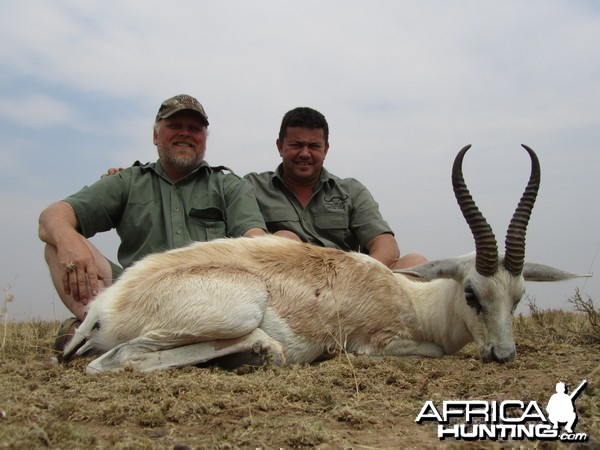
(335, 202)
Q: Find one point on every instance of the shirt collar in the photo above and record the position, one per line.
(323, 179)
(157, 168)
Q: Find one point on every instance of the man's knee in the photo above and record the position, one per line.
(50, 254)
(409, 260)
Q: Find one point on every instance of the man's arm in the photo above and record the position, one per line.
(56, 219)
(384, 248)
(243, 214)
(58, 228)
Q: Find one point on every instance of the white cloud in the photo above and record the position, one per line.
(36, 111)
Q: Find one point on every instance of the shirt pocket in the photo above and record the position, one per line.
(278, 219)
(331, 221)
(332, 226)
(207, 223)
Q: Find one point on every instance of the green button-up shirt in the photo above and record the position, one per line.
(151, 213)
(340, 214)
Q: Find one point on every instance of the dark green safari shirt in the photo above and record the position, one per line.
(342, 213)
(152, 214)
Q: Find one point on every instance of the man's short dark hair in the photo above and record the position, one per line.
(304, 117)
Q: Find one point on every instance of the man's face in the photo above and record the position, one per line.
(181, 141)
(303, 151)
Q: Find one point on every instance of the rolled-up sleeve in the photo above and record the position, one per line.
(366, 220)
(99, 207)
(242, 209)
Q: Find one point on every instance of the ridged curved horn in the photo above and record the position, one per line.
(515, 236)
(486, 248)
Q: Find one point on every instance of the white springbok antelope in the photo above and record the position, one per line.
(277, 300)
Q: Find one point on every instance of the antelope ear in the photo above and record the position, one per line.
(541, 272)
(441, 268)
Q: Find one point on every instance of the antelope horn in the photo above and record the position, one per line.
(514, 257)
(486, 248)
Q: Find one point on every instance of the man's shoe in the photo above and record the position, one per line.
(66, 333)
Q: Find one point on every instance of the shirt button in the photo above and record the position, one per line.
(178, 232)
(176, 209)
(211, 230)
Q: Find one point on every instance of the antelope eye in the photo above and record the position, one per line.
(472, 299)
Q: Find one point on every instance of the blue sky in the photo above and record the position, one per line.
(404, 85)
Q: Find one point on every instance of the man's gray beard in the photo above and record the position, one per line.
(179, 162)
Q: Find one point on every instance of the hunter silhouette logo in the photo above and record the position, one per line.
(561, 406)
(508, 419)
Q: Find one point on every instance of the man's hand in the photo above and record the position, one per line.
(111, 171)
(69, 254)
(80, 274)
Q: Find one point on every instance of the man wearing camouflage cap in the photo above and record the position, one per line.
(154, 207)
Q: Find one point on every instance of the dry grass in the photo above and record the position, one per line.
(355, 403)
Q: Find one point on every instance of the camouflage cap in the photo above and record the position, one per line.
(180, 103)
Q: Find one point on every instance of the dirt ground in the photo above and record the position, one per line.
(344, 403)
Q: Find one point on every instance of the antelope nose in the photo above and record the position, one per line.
(503, 355)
